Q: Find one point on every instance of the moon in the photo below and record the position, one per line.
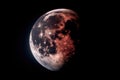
(53, 38)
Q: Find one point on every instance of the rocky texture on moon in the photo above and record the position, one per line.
(53, 38)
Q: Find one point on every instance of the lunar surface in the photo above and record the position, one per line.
(53, 38)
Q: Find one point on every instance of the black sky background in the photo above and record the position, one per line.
(88, 64)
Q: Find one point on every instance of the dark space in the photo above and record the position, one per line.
(86, 64)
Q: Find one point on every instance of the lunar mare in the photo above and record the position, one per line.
(52, 38)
